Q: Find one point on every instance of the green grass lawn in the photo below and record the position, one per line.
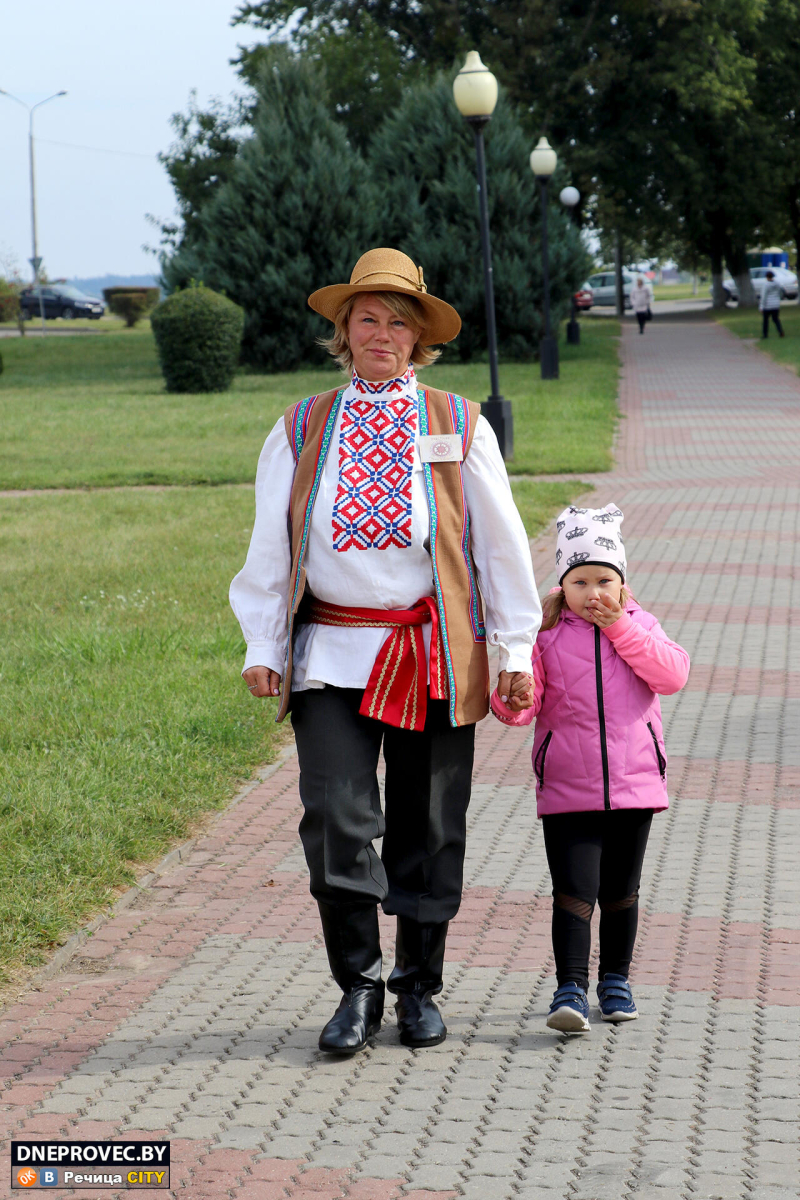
(123, 718)
(122, 713)
(746, 323)
(680, 291)
(92, 411)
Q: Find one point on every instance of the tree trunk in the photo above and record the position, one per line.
(717, 288)
(618, 274)
(794, 218)
(736, 258)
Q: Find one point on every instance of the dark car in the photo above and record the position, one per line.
(60, 300)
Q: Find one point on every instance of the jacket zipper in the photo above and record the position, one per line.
(538, 766)
(662, 762)
(601, 716)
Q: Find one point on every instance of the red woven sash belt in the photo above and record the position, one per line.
(397, 691)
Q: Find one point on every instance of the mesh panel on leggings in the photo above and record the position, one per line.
(611, 906)
(578, 908)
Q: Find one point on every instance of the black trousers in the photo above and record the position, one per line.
(595, 857)
(428, 778)
(775, 313)
(641, 317)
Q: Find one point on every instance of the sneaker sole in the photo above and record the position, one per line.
(567, 1020)
(619, 1016)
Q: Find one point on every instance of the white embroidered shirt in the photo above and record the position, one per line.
(368, 542)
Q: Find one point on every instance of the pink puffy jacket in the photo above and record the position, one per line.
(599, 743)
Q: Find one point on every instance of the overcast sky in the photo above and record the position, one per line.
(126, 68)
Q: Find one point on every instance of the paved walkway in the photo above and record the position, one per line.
(194, 1013)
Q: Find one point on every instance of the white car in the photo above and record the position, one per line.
(604, 287)
(787, 280)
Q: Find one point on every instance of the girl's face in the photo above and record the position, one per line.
(584, 586)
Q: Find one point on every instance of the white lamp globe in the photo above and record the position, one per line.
(475, 88)
(569, 196)
(543, 159)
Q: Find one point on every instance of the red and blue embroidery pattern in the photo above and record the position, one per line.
(372, 509)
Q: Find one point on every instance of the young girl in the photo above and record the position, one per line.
(598, 756)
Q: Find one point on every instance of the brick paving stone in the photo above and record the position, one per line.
(197, 1010)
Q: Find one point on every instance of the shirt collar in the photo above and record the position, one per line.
(405, 384)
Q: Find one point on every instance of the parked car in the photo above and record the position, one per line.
(787, 280)
(60, 300)
(584, 298)
(604, 287)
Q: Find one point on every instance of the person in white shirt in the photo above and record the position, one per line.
(387, 553)
(641, 299)
(770, 305)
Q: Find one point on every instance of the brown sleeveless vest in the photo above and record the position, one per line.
(309, 428)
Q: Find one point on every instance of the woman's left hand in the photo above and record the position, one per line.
(605, 610)
(515, 689)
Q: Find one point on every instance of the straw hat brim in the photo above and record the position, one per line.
(442, 322)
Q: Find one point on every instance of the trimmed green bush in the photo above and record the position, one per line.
(131, 303)
(198, 335)
(9, 301)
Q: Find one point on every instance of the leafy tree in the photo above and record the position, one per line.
(430, 210)
(295, 212)
(648, 101)
(200, 160)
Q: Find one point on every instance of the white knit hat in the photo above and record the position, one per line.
(591, 536)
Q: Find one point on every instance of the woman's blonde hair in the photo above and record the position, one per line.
(411, 311)
(554, 604)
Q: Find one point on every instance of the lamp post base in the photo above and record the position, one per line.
(573, 333)
(498, 413)
(548, 354)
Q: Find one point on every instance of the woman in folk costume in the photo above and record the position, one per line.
(387, 552)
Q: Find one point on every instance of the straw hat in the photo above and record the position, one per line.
(387, 270)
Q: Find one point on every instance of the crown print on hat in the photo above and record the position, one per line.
(592, 536)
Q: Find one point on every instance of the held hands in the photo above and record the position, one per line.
(515, 689)
(262, 682)
(604, 611)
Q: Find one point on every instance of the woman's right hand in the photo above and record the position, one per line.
(262, 682)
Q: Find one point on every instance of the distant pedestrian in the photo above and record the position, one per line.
(641, 299)
(599, 663)
(770, 305)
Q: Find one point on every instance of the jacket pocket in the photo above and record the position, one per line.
(662, 762)
(538, 762)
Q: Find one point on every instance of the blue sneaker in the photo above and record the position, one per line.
(569, 1012)
(616, 999)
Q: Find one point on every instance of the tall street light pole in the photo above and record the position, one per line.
(569, 197)
(475, 93)
(543, 164)
(35, 261)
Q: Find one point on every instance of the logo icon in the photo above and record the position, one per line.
(441, 449)
(48, 1177)
(27, 1177)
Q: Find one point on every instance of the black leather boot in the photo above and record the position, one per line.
(416, 979)
(352, 939)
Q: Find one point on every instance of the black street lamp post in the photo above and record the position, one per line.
(543, 164)
(569, 197)
(475, 93)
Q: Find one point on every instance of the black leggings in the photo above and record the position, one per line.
(775, 313)
(595, 857)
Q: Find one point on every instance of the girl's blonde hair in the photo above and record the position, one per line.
(411, 311)
(554, 604)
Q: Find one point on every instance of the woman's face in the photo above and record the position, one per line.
(380, 341)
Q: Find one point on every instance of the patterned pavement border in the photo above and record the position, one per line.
(193, 1012)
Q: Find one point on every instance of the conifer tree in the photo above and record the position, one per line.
(294, 214)
(423, 168)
